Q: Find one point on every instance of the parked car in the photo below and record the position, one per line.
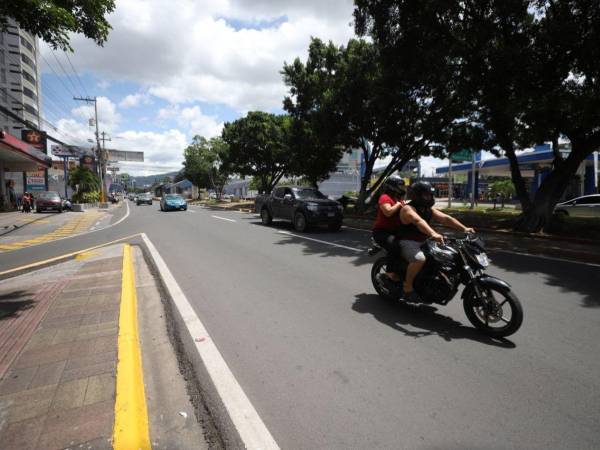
(144, 199)
(303, 206)
(586, 206)
(171, 202)
(48, 201)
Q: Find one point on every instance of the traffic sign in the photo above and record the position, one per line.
(462, 155)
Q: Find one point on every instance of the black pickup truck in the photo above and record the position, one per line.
(303, 206)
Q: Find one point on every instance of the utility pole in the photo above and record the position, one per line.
(103, 166)
(99, 150)
(450, 176)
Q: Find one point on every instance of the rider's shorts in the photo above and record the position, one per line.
(411, 251)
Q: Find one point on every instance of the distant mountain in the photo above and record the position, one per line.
(151, 179)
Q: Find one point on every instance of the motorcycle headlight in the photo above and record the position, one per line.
(483, 259)
(313, 207)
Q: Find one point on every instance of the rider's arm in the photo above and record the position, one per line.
(389, 210)
(449, 221)
(409, 216)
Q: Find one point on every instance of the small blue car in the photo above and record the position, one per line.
(173, 202)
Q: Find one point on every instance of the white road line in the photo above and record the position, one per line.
(287, 233)
(191, 210)
(250, 427)
(223, 218)
(357, 229)
(550, 258)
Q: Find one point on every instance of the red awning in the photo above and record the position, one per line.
(14, 151)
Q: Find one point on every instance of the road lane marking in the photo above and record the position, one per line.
(54, 236)
(248, 424)
(66, 255)
(223, 218)
(550, 258)
(287, 233)
(130, 429)
(192, 211)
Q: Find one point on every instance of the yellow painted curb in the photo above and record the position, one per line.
(130, 431)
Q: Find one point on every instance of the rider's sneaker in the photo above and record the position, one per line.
(411, 297)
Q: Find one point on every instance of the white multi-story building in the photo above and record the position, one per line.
(20, 78)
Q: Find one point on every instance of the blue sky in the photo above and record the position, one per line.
(171, 70)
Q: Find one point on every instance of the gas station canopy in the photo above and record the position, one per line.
(18, 156)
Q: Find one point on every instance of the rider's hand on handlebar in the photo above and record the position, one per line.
(438, 238)
(469, 230)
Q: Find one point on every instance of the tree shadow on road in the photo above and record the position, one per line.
(13, 302)
(347, 243)
(569, 277)
(424, 318)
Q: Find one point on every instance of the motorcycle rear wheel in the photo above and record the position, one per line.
(379, 266)
(484, 315)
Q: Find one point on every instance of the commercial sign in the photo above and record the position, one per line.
(70, 151)
(35, 181)
(121, 155)
(36, 139)
(89, 162)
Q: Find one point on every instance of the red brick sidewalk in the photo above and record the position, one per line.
(58, 350)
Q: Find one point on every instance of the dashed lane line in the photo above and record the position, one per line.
(223, 218)
(287, 233)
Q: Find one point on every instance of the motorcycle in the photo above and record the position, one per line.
(486, 299)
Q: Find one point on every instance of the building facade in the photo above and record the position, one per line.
(20, 78)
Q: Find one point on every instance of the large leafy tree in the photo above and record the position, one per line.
(54, 20)
(205, 163)
(525, 70)
(258, 146)
(347, 99)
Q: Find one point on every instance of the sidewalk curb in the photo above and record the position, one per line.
(237, 422)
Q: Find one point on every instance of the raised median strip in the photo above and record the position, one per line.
(131, 416)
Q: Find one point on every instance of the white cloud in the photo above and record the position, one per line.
(186, 50)
(133, 100)
(108, 117)
(193, 120)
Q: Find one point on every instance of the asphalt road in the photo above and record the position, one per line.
(327, 364)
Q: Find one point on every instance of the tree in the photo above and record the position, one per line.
(506, 188)
(205, 163)
(526, 71)
(258, 146)
(54, 20)
(348, 100)
(86, 183)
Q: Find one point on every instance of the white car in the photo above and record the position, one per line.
(586, 206)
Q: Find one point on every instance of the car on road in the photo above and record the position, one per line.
(172, 202)
(586, 206)
(144, 199)
(48, 201)
(303, 206)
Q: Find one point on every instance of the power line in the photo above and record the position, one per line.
(65, 72)
(76, 74)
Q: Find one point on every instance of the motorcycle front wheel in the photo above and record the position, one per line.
(498, 315)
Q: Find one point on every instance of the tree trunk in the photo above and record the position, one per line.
(517, 178)
(551, 190)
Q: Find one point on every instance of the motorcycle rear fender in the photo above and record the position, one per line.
(486, 281)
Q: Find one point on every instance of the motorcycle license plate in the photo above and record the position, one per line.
(330, 214)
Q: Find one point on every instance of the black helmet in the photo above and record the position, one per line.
(394, 185)
(421, 194)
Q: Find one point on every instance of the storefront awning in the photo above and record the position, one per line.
(19, 156)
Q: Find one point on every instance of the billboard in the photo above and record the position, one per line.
(121, 155)
(68, 151)
(89, 162)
